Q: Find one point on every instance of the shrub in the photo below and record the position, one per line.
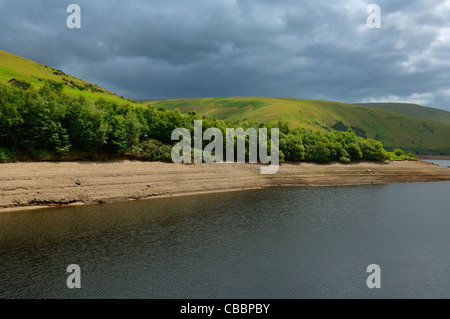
(344, 159)
(373, 150)
(24, 85)
(117, 135)
(57, 86)
(4, 154)
(399, 152)
(354, 151)
(321, 152)
(381, 155)
(150, 151)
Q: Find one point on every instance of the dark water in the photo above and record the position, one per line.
(273, 243)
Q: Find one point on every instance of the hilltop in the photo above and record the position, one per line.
(421, 135)
(13, 67)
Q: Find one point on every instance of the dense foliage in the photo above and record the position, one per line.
(44, 124)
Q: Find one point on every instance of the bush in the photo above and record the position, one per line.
(42, 155)
(292, 148)
(150, 151)
(344, 159)
(117, 137)
(321, 152)
(354, 151)
(382, 155)
(373, 150)
(57, 86)
(411, 155)
(5, 155)
(24, 85)
(399, 152)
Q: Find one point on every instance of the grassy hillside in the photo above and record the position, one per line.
(415, 110)
(413, 134)
(16, 67)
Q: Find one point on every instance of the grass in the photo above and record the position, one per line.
(15, 67)
(415, 110)
(404, 157)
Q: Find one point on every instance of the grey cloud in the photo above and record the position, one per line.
(300, 49)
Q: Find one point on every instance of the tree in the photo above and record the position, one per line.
(297, 150)
(322, 151)
(354, 151)
(117, 135)
(85, 124)
(133, 128)
(11, 99)
(373, 150)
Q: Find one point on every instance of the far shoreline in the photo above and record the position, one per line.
(39, 185)
(433, 157)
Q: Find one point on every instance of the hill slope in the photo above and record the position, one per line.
(415, 110)
(418, 135)
(16, 67)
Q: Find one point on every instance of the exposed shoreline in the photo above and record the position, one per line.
(26, 186)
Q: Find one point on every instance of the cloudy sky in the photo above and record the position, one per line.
(200, 48)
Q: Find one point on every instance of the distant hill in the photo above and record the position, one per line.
(393, 129)
(19, 68)
(415, 110)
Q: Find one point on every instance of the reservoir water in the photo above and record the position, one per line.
(445, 163)
(274, 243)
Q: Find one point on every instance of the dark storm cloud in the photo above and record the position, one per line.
(197, 48)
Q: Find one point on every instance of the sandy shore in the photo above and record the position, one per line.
(37, 185)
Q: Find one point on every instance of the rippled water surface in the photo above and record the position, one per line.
(272, 243)
(445, 163)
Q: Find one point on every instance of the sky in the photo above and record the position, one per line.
(321, 49)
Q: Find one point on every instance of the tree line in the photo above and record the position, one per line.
(46, 124)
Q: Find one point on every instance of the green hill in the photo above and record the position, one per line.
(415, 110)
(18, 68)
(413, 134)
